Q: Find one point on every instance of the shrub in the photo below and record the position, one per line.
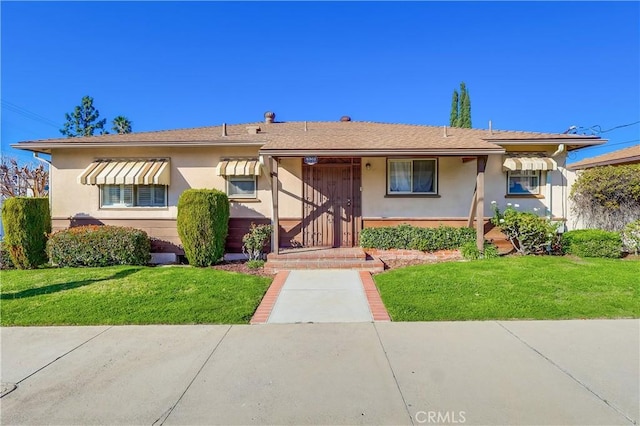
(27, 222)
(607, 197)
(631, 237)
(527, 232)
(5, 258)
(255, 264)
(592, 243)
(94, 245)
(470, 251)
(254, 241)
(415, 238)
(203, 225)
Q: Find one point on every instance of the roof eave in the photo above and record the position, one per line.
(275, 152)
(46, 147)
(618, 161)
(571, 143)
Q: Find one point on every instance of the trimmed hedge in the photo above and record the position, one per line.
(410, 237)
(27, 222)
(592, 243)
(95, 245)
(203, 225)
(5, 258)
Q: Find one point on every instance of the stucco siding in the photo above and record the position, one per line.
(190, 168)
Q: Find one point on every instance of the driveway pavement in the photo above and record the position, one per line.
(514, 372)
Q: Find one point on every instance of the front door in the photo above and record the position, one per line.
(331, 205)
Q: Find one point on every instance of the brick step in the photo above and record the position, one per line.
(276, 265)
(355, 253)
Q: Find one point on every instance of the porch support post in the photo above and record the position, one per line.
(481, 165)
(275, 220)
(472, 210)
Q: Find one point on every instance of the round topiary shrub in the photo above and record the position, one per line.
(203, 225)
(27, 222)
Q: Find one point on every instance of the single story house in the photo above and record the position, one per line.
(630, 155)
(620, 157)
(319, 182)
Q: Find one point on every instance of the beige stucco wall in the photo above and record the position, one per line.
(456, 183)
(190, 168)
(196, 168)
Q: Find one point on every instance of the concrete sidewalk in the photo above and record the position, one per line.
(514, 372)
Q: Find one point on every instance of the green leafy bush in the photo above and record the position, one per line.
(5, 258)
(254, 241)
(592, 243)
(607, 197)
(27, 222)
(94, 245)
(470, 251)
(203, 225)
(527, 232)
(255, 264)
(410, 237)
(631, 237)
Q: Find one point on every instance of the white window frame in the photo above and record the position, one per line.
(524, 174)
(135, 202)
(242, 178)
(411, 161)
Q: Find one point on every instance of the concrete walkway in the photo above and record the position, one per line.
(321, 296)
(476, 373)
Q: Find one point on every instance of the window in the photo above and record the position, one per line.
(412, 176)
(133, 196)
(241, 186)
(523, 182)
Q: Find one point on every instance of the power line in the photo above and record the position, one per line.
(29, 114)
(610, 144)
(618, 127)
(596, 129)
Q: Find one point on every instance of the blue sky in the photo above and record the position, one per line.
(538, 66)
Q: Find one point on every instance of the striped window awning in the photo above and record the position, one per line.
(126, 172)
(529, 163)
(246, 167)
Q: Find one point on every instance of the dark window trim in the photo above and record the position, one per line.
(434, 194)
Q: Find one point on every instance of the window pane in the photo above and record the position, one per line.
(242, 186)
(423, 173)
(127, 195)
(159, 195)
(524, 182)
(144, 195)
(110, 195)
(400, 176)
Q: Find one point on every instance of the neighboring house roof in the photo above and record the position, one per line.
(327, 138)
(629, 155)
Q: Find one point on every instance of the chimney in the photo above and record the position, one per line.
(345, 118)
(269, 117)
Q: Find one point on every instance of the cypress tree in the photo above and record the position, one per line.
(453, 117)
(464, 118)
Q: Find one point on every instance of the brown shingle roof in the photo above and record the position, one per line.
(622, 156)
(321, 136)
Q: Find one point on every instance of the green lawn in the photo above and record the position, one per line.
(128, 295)
(515, 287)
